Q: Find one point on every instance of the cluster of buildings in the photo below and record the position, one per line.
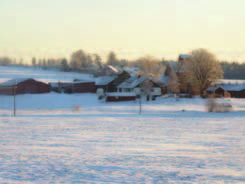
(120, 86)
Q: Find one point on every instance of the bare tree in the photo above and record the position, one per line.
(112, 59)
(78, 60)
(150, 67)
(202, 68)
(98, 61)
(34, 62)
(172, 82)
(64, 65)
(89, 60)
(5, 61)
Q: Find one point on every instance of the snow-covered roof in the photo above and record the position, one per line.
(227, 87)
(132, 82)
(164, 79)
(213, 88)
(113, 68)
(13, 82)
(104, 80)
(120, 94)
(233, 87)
(133, 71)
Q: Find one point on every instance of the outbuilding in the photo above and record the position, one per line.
(73, 87)
(216, 90)
(23, 86)
(140, 85)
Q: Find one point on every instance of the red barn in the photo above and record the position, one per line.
(23, 86)
(216, 90)
(73, 87)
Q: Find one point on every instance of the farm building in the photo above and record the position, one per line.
(215, 90)
(112, 87)
(110, 83)
(234, 90)
(104, 82)
(119, 97)
(23, 86)
(139, 85)
(73, 87)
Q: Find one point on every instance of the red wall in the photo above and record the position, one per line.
(120, 98)
(27, 87)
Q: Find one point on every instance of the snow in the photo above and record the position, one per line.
(228, 87)
(172, 141)
(229, 81)
(104, 80)
(213, 88)
(120, 94)
(234, 87)
(113, 68)
(164, 79)
(132, 82)
(8, 73)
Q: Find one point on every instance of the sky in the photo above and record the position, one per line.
(130, 28)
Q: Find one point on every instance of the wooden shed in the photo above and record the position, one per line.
(216, 90)
(23, 86)
(73, 87)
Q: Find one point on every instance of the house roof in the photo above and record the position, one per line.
(113, 69)
(15, 81)
(213, 88)
(234, 87)
(228, 87)
(104, 80)
(163, 79)
(132, 70)
(132, 82)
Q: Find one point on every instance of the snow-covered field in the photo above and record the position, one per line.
(7, 73)
(170, 142)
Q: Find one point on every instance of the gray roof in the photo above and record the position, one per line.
(233, 87)
(163, 79)
(213, 88)
(132, 82)
(13, 82)
(114, 69)
(104, 80)
(228, 87)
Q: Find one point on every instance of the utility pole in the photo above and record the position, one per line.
(140, 104)
(15, 86)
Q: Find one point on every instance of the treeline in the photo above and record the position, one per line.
(233, 70)
(80, 61)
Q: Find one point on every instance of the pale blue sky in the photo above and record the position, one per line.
(132, 28)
